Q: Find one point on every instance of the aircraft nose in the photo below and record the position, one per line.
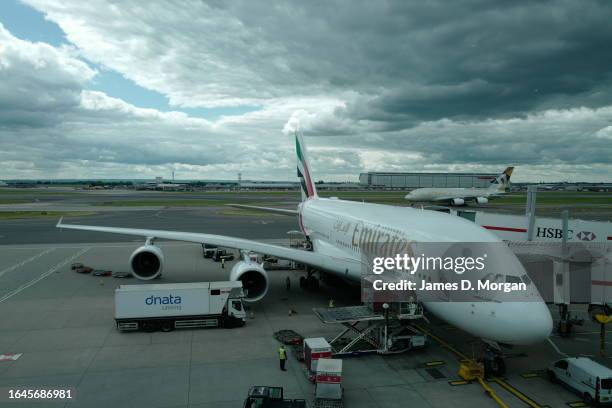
(536, 322)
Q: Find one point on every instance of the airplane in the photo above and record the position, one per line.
(460, 196)
(337, 251)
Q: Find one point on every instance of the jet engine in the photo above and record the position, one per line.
(458, 201)
(482, 200)
(253, 277)
(147, 262)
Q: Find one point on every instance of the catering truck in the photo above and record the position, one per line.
(167, 307)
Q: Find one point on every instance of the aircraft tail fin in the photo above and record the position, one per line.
(502, 181)
(303, 168)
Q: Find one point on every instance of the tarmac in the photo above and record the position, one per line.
(62, 324)
(212, 220)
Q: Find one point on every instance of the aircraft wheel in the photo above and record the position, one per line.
(312, 283)
(494, 367)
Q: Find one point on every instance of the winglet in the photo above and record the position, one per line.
(59, 223)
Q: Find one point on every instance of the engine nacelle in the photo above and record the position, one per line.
(147, 262)
(482, 200)
(458, 201)
(254, 279)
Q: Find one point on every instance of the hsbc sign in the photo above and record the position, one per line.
(515, 228)
(557, 233)
(554, 233)
(586, 236)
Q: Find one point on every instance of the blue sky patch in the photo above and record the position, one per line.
(29, 24)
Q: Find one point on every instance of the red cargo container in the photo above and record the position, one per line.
(314, 349)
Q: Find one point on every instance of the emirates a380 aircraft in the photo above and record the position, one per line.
(524, 320)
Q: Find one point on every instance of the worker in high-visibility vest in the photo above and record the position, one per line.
(282, 355)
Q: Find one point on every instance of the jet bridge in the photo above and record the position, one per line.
(369, 329)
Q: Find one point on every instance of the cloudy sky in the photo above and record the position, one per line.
(134, 89)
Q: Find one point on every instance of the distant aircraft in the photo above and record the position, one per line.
(460, 196)
(338, 230)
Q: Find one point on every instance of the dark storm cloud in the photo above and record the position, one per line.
(403, 84)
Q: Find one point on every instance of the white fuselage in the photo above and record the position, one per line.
(337, 228)
(447, 194)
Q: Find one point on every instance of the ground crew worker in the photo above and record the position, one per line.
(282, 355)
(222, 263)
(288, 283)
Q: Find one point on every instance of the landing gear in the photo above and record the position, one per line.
(495, 367)
(310, 282)
(493, 361)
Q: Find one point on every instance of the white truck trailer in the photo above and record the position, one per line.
(179, 305)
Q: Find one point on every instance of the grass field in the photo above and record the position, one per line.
(556, 198)
(12, 215)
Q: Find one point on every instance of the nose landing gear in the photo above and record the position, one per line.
(493, 361)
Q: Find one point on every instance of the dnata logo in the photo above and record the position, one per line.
(163, 300)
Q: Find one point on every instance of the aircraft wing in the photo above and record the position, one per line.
(466, 197)
(317, 260)
(281, 211)
(451, 198)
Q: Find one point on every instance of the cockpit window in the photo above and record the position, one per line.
(526, 279)
(512, 279)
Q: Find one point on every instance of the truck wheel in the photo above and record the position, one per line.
(149, 327)
(167, 327)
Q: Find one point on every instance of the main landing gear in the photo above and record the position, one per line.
(310, 281)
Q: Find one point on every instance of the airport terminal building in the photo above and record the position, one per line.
(420, 180)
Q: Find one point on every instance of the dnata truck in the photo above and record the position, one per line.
(167, 307)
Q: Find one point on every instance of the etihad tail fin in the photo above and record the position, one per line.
(502, 181)
(303, 168)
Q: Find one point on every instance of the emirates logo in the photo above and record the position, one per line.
(586, 236)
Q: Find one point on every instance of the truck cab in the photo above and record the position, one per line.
(270, 397)
(584, 376)
(235, 309)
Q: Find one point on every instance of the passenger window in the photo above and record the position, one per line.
(561, 364)
(214, 292)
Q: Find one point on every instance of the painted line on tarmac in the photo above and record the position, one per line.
(552, 343)
(25, 261)
(44, 274)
